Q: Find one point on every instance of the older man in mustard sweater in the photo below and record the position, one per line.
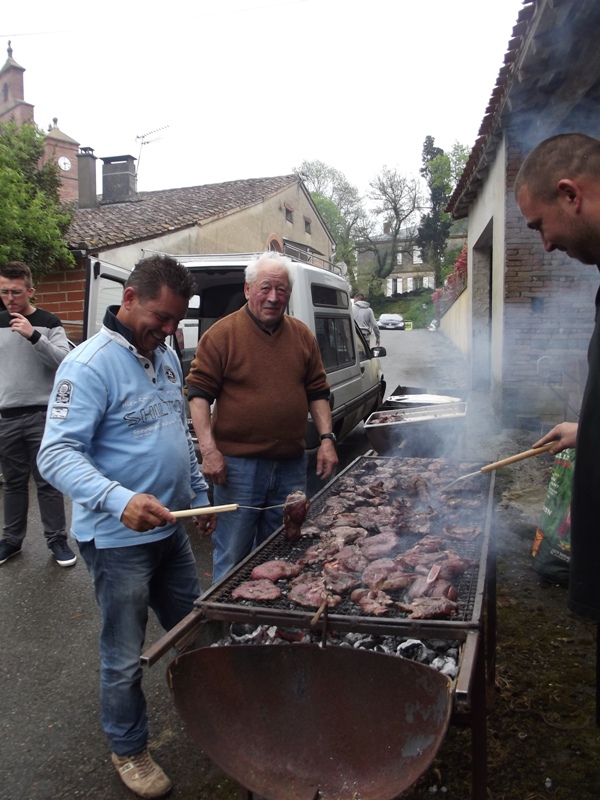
(264, 370)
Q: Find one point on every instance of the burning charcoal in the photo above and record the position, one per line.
(240, 632)
(367, 643)
(412, 648)
(447, 666)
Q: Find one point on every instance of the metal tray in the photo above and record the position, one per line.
(424, 432)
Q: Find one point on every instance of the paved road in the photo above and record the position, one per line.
(51, 742)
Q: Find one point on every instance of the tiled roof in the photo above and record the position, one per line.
(160, 212)
(550, 83)
(458, 204)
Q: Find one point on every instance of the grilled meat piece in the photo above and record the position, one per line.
(346, 520)
(337, 579)
(372, 601)
(431, 586)
(310, 590)
(416, 486)
(380, 546)
(430, 608)
(319, 552)
(347, 535)
(463, 534)
(275, 570)
(294, 513)
(351, 559)
(377, 571)
(256, 590)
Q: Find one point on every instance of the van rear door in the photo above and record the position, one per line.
(104, 287)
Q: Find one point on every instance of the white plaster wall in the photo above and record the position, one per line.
(455, 324)
(490, 206)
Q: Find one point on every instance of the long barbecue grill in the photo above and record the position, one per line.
(466, 514)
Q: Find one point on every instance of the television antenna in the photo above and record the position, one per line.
(144, 139)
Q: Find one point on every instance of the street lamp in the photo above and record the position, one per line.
(424, 315)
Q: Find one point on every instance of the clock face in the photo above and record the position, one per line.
(64, 163)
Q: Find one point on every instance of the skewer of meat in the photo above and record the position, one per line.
(294, 513)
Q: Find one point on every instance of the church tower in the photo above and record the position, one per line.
(12, 95)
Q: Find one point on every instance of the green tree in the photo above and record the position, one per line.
(396, 202)
(33, 222)
(441, 172)
(340, 205)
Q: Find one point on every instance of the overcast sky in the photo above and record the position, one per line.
(251, 88)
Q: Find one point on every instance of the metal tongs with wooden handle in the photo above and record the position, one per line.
(535, 451)
(199, 512)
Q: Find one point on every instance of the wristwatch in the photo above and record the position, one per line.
(331, 436)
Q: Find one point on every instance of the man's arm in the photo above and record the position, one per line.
(374, 327)
(327, 458)
(50, 349)
(214, 467)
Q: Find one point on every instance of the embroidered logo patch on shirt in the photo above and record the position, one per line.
(170, 375)
(62, 401)
(64, 392)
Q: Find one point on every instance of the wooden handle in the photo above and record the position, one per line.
(317, 616)
(519, 457)
(199, 512)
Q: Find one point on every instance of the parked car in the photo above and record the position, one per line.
(393, 322)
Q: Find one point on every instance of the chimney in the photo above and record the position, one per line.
(387, 228)
(87, 178)
(119, 181)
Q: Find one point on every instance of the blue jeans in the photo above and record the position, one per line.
(252, 482)
(127, 580)
(20, 439)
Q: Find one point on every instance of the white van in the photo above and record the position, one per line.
(320, 298)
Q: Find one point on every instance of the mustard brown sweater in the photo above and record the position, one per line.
(262, 384)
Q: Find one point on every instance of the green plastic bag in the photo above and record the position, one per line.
(552, 543)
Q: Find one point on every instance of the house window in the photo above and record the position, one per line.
(416, 256)
(289, 213)
(399, 258)
(306, 225)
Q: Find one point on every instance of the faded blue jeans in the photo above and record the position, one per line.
(127, 581)
(252, 482)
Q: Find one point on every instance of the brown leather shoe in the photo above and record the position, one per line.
(142, 775)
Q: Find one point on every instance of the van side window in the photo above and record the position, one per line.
(363, 353)
(335, 340)
(329, 296)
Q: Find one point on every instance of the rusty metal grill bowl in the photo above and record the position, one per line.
(301, 722)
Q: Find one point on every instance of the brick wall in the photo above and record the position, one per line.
(63, 294)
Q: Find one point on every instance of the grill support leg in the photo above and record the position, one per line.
(479, 728)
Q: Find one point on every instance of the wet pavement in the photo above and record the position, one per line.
(51, 741)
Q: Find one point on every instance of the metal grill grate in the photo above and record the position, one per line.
(467, 505)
